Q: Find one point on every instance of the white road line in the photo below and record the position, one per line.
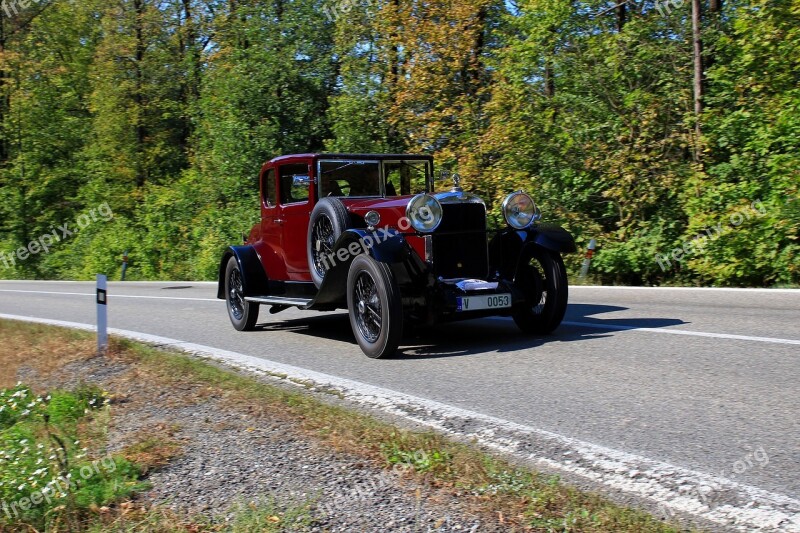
(713, 289)
(112, 296)
(682, 332)
(612, 327)
(672, 488)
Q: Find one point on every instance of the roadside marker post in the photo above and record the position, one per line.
(588, 260)
(124, 264)
(102, 315)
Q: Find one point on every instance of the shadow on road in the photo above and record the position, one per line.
(475, 337)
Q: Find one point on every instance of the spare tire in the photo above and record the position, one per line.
(328, 221)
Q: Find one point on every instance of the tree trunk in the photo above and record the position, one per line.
(697, 43)
(549, 79)
(622, 15)
(393, 139)
(190, 90)
(4, 97)
(138, 97)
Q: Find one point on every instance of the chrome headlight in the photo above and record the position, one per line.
(424, 213)
(519, 210)
(372, 218)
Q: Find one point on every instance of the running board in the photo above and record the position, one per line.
(278, 300)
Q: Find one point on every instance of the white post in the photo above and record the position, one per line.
(588, 259)
(102, 317)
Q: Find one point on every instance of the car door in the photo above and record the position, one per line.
(269, 244)
(293, 215)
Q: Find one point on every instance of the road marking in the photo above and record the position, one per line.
(657, 484)
(113, 295)
(714, 289)
(613, 327)
(594, 325)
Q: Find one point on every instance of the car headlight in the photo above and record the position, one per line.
(519, 210)
(424, 213)
(372, 218)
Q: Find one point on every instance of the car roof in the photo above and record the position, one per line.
(317, 156)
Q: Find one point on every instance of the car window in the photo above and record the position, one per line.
(295, 183)
(349, 178)
(268, 188)
(405, 177)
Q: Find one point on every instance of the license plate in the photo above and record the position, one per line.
(477, 303)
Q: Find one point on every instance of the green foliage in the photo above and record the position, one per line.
(167, 110)
(45, 474)
(432, 460)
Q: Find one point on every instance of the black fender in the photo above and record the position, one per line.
(384, 245)
(505, 249)
(552, 237)
(254, 279)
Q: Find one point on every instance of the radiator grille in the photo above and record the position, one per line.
(459, 243)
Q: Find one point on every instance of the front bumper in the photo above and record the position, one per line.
(446, 298)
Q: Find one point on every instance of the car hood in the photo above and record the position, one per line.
(391, 209)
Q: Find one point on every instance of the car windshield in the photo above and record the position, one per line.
(362, 178)
(349, 178)
(405, 177)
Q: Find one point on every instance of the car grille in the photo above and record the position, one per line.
(459, 243)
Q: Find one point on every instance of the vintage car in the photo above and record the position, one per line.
(370, 234)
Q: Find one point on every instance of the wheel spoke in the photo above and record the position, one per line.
(322, 238)
(367, 307)
(236, 294)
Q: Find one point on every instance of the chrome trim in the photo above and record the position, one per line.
(279, 300)
(535, 210)
(458, 197)
(409, 218)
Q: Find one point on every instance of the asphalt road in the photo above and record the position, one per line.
(701, 379)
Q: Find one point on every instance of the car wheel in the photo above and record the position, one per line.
(328, 221)
(543, 279)
(376, 310)
(243, 314)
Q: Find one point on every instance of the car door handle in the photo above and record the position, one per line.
(278, 221)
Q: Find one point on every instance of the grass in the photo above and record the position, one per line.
(155, 447)
(516, 497)
(48, 478)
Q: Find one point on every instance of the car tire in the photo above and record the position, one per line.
(542, 277)
(328, 221)
(375, 307)
(243, 314)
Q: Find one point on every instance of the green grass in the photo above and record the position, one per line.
(48, 480)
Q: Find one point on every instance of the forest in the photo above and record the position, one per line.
(667, 130)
